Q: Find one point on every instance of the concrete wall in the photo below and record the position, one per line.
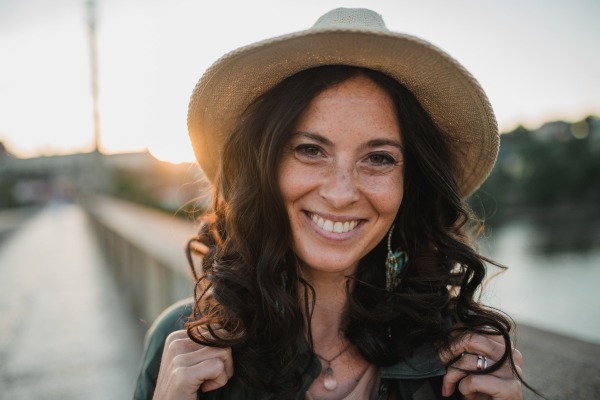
(145, 249)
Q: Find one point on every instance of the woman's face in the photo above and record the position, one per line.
(341, 176)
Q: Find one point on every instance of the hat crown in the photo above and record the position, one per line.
(351, 18)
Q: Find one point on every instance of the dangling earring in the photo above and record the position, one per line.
(393, 265)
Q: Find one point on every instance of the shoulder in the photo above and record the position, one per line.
(172, 319)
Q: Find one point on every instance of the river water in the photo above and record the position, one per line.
(558, 292)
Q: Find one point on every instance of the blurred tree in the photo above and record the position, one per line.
(550, 176)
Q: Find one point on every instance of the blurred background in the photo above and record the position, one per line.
(99, 190)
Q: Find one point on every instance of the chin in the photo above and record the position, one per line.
(332, 263)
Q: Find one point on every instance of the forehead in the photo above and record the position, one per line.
(356, 88)
(356, 106)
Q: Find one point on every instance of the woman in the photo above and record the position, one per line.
(339, 157)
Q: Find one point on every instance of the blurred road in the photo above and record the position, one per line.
(11, 220)
(64, 333)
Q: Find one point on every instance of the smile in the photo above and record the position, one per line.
(333, 226)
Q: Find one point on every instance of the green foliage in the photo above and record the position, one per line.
(7, 198)
(132, 187)
(540, 170)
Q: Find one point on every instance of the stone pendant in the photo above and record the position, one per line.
(330, 383)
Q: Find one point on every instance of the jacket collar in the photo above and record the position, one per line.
(423, 363)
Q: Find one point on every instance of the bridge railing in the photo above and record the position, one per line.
(145, 249)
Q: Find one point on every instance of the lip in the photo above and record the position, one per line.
(336, 237)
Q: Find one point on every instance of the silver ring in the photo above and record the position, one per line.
(482, 362)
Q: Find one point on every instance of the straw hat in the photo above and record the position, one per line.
(356, 37)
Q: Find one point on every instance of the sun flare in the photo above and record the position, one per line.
(173, 153)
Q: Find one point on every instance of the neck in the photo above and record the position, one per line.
(330, 304)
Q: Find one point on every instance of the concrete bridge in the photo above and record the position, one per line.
(78, 289)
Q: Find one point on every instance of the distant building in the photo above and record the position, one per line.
(38, 180)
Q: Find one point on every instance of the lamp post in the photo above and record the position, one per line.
(95, 180)
(91, 23)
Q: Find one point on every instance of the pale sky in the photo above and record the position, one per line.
(538, 60)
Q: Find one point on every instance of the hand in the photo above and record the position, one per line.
(187, 366)
(499, 385)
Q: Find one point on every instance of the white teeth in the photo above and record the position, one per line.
(338, 227)
(330, 226)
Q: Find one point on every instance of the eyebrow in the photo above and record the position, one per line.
(371, 143)
(383, 142)
(316, 138)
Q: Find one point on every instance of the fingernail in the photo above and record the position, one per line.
(443, 391)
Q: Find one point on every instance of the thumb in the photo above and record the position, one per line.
(207, 386)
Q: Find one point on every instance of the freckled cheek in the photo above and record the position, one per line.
(385, 195)
(295, 181)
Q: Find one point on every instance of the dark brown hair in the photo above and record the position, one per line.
(249, 257)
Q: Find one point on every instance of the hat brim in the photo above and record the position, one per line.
(449, 93)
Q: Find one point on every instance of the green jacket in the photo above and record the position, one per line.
(416, 378)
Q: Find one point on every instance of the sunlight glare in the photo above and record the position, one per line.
(174, 153)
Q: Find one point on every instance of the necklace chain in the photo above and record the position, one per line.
(339, 354)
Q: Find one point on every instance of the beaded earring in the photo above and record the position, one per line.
(393, 265)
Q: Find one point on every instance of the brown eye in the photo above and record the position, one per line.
(311, 151)
(377, 159)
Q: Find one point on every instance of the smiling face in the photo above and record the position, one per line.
(341, 176)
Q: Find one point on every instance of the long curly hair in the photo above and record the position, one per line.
(250, 285)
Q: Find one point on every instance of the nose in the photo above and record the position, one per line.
(340, 189)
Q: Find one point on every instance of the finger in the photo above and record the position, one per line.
(228, 361)
(181, 346)
(224, 355)
(203, 354)
(518, 358)
(182, 334)
(452, 377)
(476, 344)
(209, 374)
(516, 354)
(519, 371)
(485, 345)
(467, 363)
(472, 362)
(181, 343)
(498, 340)
(493, 386)
(459, 370)
(176, 340)
(189, 379)
(210, 385)
(216, 352)
(176, 343)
